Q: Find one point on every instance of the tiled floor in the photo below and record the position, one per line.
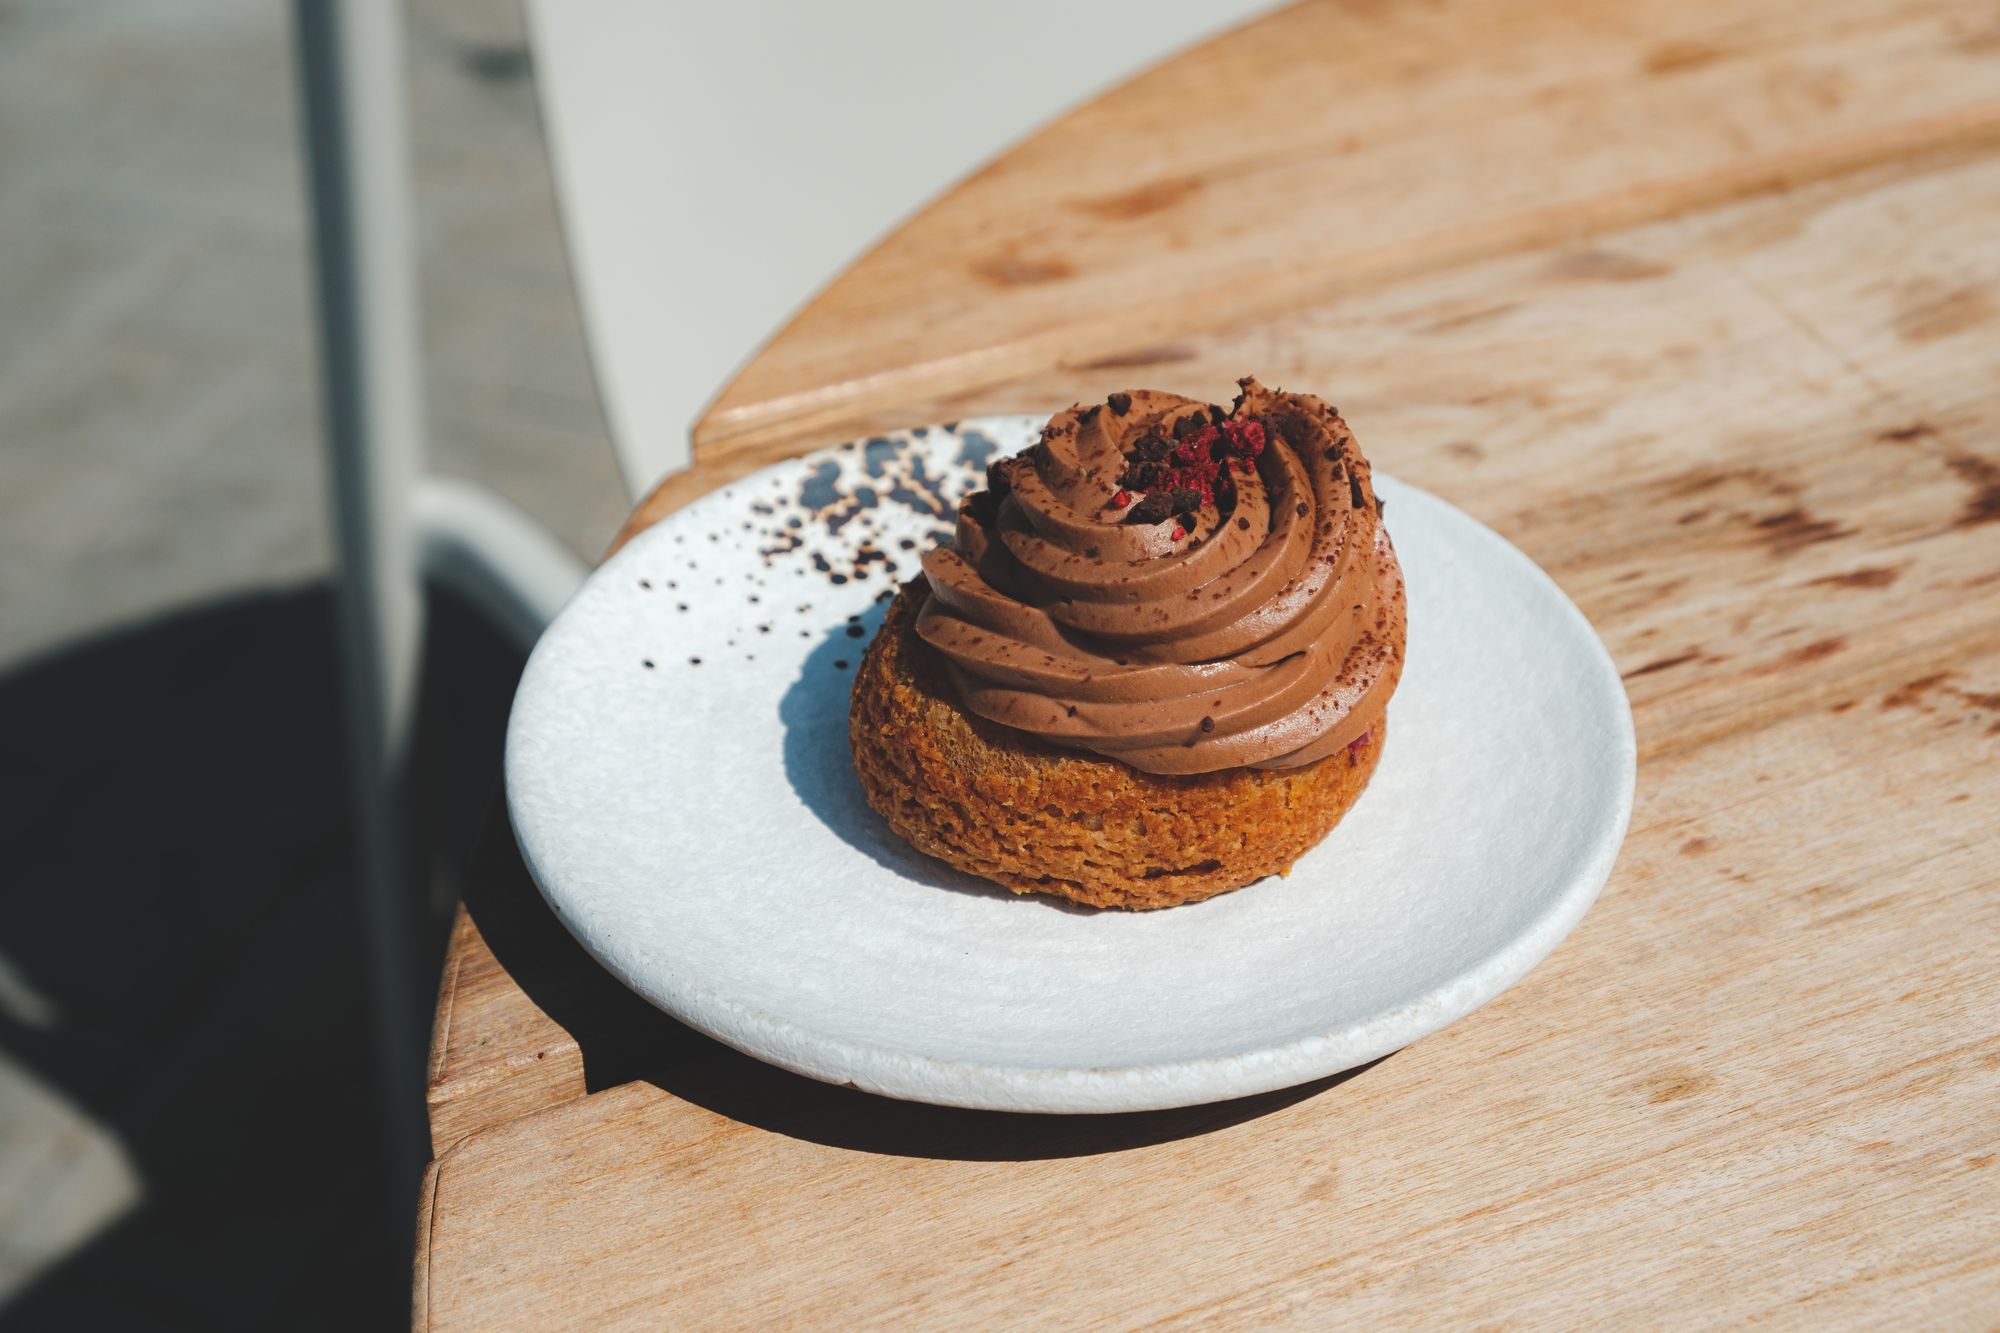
(187, 1128)
(157, 401)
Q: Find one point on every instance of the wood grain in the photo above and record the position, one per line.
(1341, 146)
(1818, 1124)
(1758, 441)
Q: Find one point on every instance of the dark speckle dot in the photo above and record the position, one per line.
(694, 661)
(647, 584)
(646, 662)
(838, 578)
(855, 631)
(682, 606)
(840, 664)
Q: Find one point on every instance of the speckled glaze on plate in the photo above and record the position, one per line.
(679, 781)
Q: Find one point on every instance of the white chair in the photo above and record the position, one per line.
(715, 165)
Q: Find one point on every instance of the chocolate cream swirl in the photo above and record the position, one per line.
(1176, 587)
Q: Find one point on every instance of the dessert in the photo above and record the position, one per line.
(1155, 663)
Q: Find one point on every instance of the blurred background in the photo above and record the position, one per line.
(183, 1011)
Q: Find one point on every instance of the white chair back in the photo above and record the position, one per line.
(718, 163)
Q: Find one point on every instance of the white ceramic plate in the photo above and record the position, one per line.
(679, 780)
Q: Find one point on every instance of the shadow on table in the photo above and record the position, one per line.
(623, 1039)
(182, 982)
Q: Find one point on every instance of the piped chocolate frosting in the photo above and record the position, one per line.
(1179, 587)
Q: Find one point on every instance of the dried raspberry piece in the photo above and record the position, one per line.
(1247, 437)
(1199, 463)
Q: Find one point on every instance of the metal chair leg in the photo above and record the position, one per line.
(352, 97)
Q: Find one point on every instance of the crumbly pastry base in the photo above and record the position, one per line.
(1036, 819)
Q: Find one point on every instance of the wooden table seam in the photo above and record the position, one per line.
(1914, 147)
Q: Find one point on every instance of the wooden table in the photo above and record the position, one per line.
(1699, 304)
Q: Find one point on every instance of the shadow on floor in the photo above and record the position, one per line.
(174, 822)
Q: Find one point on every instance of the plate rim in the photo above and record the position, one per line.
(1160, 1085)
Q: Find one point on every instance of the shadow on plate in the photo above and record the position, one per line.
(820, 768)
